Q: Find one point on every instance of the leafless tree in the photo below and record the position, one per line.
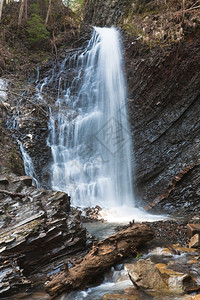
(1, 9)
(21, 10)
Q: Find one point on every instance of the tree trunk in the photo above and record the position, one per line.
(26, 10)
(1, 9)
(102, 256)
(48, 13)
(21, 10)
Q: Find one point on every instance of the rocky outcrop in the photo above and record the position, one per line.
(37, 227)
(104, 13)
(162, 273)
(26, 118)
(164, 108)
(162, 62)
(148, 275)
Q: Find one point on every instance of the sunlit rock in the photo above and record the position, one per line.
(122, 297)
(194, 241)
(192, 229)
(157, 277)
(197, 297)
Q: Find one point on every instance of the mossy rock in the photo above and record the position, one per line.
(15, 163)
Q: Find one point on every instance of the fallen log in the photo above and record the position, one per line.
(102, 256)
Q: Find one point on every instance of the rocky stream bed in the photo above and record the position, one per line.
(41, 235)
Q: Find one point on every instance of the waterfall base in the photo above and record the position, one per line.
(124, 214)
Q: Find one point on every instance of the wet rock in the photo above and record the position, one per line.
(121, 297)
(179, 249)
(163, 110)
(91, 214)
(197, 297)
(40, 227)
(11, 277)
(192, 229)
(195, 241)
(158, 277)
(130, 291)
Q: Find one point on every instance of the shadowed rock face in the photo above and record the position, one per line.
(164, 110)
(163, 88)
(104, 13)
(36, 228)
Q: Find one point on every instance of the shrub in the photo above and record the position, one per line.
(36, 29)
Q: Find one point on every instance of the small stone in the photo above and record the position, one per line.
(195, 241)
(192, 229)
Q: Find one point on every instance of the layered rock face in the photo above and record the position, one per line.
(104, 13)
(164, 115)
(163, 90)
(37, 227)
(161, 41)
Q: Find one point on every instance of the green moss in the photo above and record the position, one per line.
(15, 163)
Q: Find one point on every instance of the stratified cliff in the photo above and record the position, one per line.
(162, 56)
(162, 62)
(164, 112)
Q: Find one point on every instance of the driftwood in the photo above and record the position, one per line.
(102, 256)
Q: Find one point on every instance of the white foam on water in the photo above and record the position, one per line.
(124, 214)
(90, 139)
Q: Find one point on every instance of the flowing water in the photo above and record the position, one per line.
(89, 136)
(13, 123)
(28, 164)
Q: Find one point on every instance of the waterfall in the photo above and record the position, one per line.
(28, 164)
(89, 132)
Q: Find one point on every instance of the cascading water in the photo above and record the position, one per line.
(28, 164)
(89, 132)
(89, 135)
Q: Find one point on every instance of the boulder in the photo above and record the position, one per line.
(152, 277)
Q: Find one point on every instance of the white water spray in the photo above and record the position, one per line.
(89, 132)
(28, 164)
(90, 140)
